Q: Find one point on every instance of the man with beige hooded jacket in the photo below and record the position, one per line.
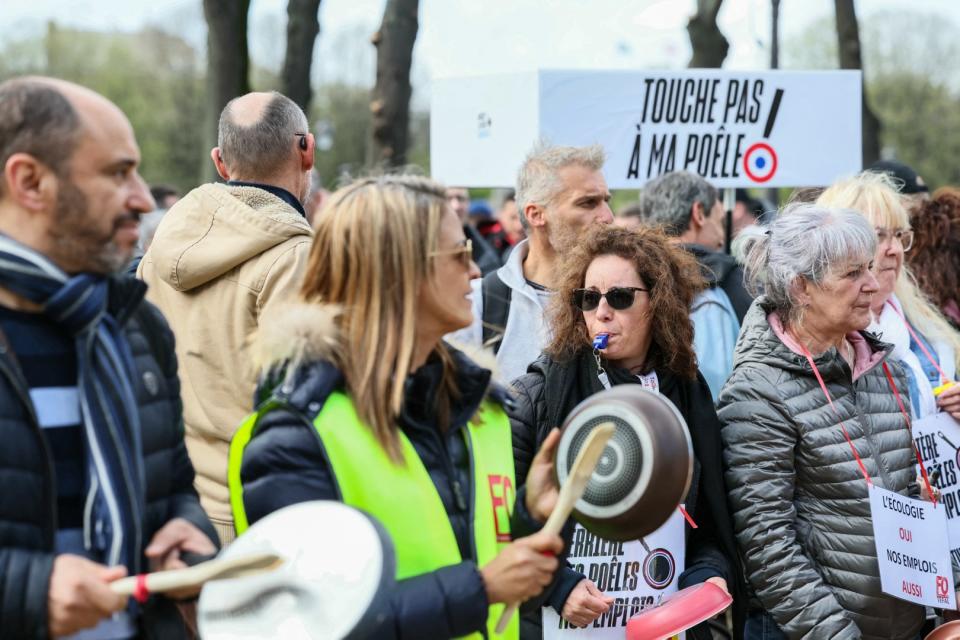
(221, 257)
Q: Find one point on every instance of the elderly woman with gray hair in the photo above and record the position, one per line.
(796, 489)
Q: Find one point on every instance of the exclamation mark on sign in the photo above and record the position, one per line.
(772, 116)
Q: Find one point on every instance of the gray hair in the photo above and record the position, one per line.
(804, 241)
(668, 200)
(262, 148)
(148, 227)
(537, 180)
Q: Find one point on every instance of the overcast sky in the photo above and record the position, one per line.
(477, 36)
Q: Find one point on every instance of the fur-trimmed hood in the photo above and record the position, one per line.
(293, 335)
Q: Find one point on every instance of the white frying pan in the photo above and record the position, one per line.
(337, 570)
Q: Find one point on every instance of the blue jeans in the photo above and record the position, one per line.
(761, 626)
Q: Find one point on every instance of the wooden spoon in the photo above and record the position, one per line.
(570, 492)
(195, 576)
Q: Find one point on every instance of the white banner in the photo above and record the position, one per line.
(626, 571)
(937, 438)
(736, 129)
(912, 549)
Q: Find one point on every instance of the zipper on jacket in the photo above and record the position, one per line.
(470, 524)
(868, 437)
(472, 503)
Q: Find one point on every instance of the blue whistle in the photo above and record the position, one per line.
(600, 342)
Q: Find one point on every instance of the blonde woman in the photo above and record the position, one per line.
(923, 341)
(373, 409)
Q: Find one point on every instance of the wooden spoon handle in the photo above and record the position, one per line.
(195, 576)
(571, 491)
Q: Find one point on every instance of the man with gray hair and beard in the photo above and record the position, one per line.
(560, 191)
(221, 257)
(688, 208)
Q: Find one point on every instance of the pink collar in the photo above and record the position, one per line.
(864, 358)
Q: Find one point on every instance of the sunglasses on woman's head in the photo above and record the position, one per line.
(618, 298)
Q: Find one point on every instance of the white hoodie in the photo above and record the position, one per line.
(891, 328)
(525, 334)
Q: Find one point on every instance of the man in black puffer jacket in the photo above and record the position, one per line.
(95, 475)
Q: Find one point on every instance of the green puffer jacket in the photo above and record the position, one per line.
(799, 501)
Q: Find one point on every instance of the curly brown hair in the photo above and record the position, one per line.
(935, 256)
(672, 274)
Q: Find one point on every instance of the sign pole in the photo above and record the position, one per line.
(729, 202)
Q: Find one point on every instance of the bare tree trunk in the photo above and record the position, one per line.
(774, 34)
(709, 46)
(390, 103)
(228, 62)
(303, 25)
(848, 36)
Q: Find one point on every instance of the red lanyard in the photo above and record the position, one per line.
(943, 377)
(843, 426)
(906, 416)
(823, 387)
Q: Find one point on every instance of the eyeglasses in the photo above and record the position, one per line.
(903, 236)
(618, 298)
(464, 252)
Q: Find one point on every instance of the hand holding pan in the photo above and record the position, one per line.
(334, 582)
(570, 491)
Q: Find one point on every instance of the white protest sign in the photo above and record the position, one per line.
(911, 540)
(627, 572)
(736, 129)
(937, 438)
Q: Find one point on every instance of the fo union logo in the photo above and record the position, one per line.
(502, 496)
(943, 590)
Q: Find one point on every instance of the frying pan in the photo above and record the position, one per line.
(946, 631)
(645, 470)
(678, 612)
(333, 584)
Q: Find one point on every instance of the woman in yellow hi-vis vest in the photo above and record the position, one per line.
(366, 404)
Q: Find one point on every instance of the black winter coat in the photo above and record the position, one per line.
(550, 390)
(28, 503)
(722, 270)
(284, 463)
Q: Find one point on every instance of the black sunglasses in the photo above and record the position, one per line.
(618, 298)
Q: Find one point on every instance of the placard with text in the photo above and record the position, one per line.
(736, 129)
(912, 549)
(938, 440)
(635, 577)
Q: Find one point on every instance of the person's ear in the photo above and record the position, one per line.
(307, 149)
(29, 182)
(801, 292)
(697, 215)
(217, 158)
(535, 215)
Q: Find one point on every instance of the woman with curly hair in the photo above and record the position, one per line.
(635, 287)
(935, 258)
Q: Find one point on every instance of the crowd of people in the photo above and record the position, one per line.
(175, 369)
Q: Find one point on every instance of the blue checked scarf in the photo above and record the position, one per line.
(113, 514)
